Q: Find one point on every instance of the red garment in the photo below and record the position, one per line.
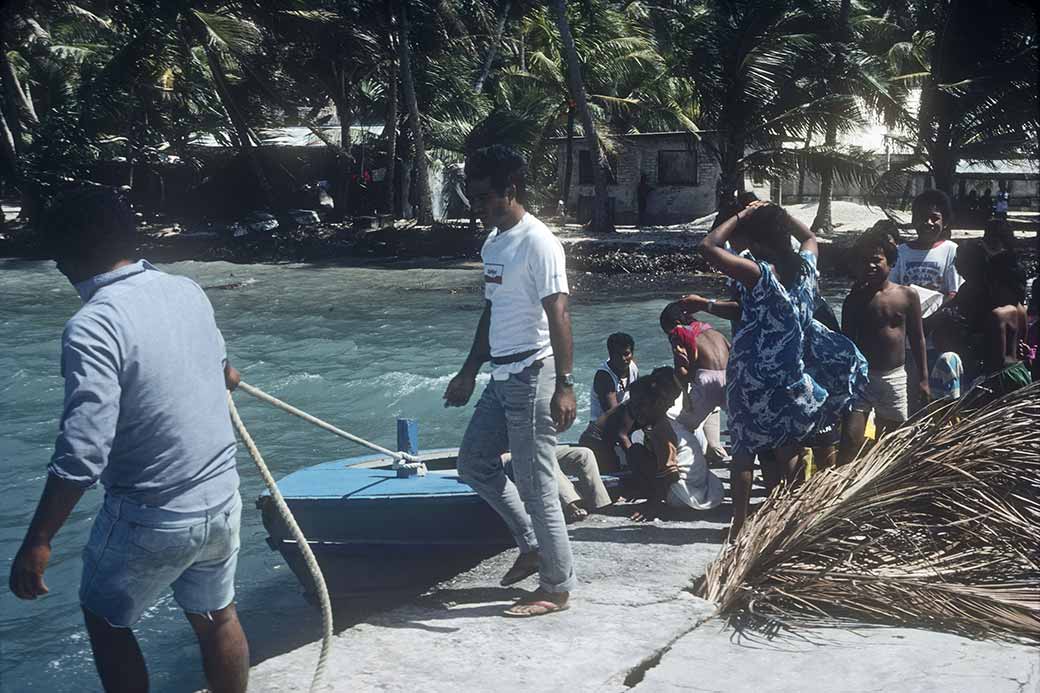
(686, 336)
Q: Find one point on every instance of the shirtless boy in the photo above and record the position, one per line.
(879, 316)
(1005, 328)
(699, 354)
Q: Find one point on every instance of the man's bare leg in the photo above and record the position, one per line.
(825, 456)
(884, 427)
(117, 656)
(852, 436)
(789, 461)
(740, 488)
(225, 651)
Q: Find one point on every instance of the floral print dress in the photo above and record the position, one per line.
(788, 375)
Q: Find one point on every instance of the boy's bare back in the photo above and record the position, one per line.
(712, 351)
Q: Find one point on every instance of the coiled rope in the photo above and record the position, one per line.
(301, 540)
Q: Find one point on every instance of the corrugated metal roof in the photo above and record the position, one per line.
(295, 136)
(1013, 167)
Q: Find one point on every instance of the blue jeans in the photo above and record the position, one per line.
(513, 415)
(135, 553)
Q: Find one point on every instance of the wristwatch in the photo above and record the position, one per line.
(710, 306)
(567, 380)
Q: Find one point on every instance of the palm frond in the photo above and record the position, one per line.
(937, 526)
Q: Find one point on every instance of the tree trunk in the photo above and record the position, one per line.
(800, 196)
(20, 110)
(731, 179)
(425, 216)
(823, 223)
(241, 129)
(489, 59)
(390, 128)
(9, 165)
(568, 170)
(935, 122)
(601, 220)
(344, 159)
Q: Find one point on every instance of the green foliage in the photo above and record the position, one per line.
(133, 79)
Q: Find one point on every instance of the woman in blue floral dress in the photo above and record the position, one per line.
(788, 375)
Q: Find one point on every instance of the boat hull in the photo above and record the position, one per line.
(374, 532)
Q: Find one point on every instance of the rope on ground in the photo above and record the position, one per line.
(401, 459)
(301, 541)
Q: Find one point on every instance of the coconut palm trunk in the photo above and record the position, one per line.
(20, 109)
(489, 59)
(344, 113)
(390, 128)
(601, 220)
(241, 129)
(404, 56)
(568, 170)
(823, 222)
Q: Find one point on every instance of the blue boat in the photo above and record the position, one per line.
(373, 531)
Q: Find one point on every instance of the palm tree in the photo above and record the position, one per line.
(747, 61)
(979, 105)
(404, 56)
(601, 220)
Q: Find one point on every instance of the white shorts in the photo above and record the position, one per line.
(885, 394)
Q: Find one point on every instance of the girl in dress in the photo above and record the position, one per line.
(788, 376)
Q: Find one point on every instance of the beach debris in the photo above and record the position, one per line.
(938, 526)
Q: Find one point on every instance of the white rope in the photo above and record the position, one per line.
(401, 459)
(301, 541)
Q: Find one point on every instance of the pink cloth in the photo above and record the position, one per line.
(686, 336)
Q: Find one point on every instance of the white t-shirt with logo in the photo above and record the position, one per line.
(522, 266)
(932, 268)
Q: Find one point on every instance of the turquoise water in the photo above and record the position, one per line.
(357, 347)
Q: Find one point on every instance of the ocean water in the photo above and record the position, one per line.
(356, 346)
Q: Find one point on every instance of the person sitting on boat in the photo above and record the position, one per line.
(670, 467)
(610, 436)
(587, 492)
(525, 331)
(145, 413)
(614, 376)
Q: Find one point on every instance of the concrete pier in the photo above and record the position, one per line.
(632, 627)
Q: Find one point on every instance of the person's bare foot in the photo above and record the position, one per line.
(525, 565)
(573, 512)
(539, 603)
(647, 512)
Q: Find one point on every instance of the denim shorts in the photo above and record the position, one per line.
(135, 553)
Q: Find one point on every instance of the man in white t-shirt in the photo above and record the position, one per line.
(929, 262)
(525, 331)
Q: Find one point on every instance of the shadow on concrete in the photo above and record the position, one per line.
(650, 534)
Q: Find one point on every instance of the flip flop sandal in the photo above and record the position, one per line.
(540, 607)
(574, 514)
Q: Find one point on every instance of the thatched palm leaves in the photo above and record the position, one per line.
(938, 525)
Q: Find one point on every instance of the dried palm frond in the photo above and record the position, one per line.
(938, 525)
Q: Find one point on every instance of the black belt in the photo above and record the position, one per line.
(513, 358)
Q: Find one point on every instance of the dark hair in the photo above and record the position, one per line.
(619, 340)
(877, 238)
(1003, 270)
(950, 321)
(770, 230)
(1000, 231)
(672, 315)
(935, 198)
(660, 388)
(502, 166)
(971, 259)
(89, 222)
(729, 205)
